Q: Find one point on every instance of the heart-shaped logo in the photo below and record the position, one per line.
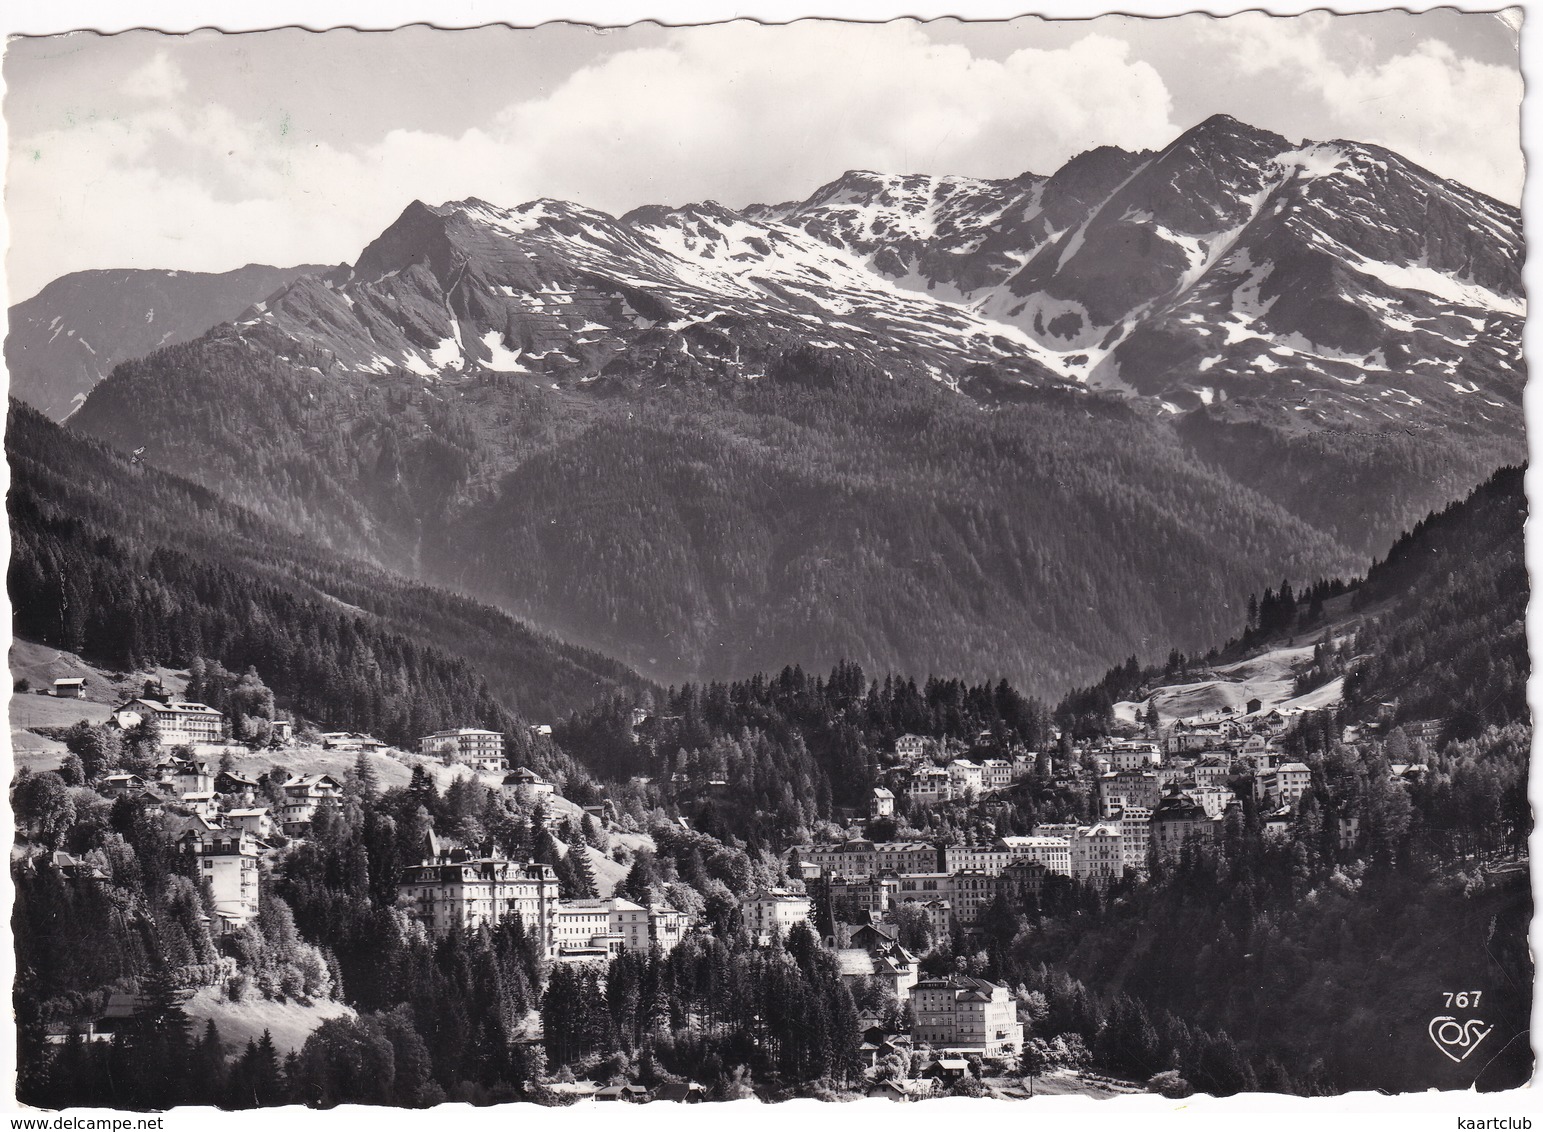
(1457, 1039)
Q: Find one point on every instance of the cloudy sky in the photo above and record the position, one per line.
(208, 151)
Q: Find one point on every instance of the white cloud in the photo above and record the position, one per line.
(742, 112)
(159, 80)
(1432, 106)
(736, 112)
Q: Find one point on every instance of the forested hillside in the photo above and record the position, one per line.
(1319, 948)
(1435, 631)
(827, 512)
(930, 424)
(128, 565)
(1446, 634)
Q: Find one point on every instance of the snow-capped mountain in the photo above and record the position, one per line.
(1334, 281)
(1234, 263)
(568, 295)
(932, 423)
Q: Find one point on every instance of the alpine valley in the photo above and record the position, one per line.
(926, 423)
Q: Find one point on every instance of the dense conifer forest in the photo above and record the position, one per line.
(699, 528)
(131, 566)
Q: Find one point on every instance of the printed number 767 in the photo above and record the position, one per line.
(1462, 999)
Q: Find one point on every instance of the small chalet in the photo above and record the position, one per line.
(682, 1092)
(947, 1069)
(234, 785)
(121, 783)
(70, 688)
(73, 868)
(525, 779)
(632, 1093)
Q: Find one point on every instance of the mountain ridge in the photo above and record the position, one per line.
(414, 408)
(128, 312)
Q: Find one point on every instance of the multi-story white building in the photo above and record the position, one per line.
(1053, 852)
(860, 857)
(970, 891)
(775, 912)
(190, 776)
(667, 926)
(1096, 852)
(960, 1013)
(577, 924)
(1135, 824)
(180, 722)
(630, 921)
(909, 747)
(227, 859)
(302, 797)
(965, 891)
(930, 785)
(996, 774)
(1213, 768)
(1179, 819)
(1262, 762)
(1292, 780)
(253, 820)
(882, 803)
(607, 927)
(481, 749)
(964, 775)
(1128, 788)
(1133, 755)
(469, 893)
(1254, 746)
(986, 858)
(1184, 739)
(1213, 799)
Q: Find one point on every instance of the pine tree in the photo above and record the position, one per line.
(369, 781)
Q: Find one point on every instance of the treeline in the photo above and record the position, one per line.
(1445, 617)
(705, 527)
(57, 473)
(1281, 612)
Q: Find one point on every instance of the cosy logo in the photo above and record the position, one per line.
(1457, 1039)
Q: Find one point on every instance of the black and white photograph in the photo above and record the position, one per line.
(831, 559)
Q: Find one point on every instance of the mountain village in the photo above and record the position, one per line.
(1160, 792)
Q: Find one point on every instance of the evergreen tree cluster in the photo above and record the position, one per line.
(712, 1002)
(700, 527)
(1445, 617)
(188, 574)
(793, 745)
